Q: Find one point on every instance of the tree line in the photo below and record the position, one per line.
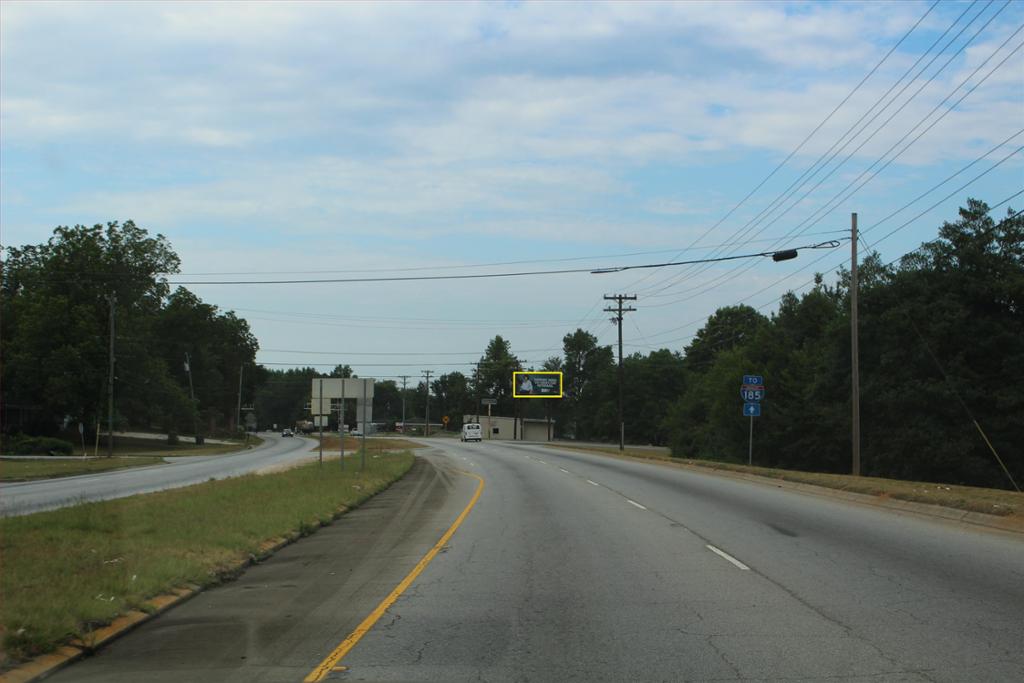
(57, 302)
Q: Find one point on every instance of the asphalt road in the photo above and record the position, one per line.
(21, 498)
(582, 567)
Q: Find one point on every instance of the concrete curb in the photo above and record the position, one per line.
(1010, 523)
(39, 668)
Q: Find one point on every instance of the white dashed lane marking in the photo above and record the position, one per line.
(593, 482)
(633, 502)
(727, 556)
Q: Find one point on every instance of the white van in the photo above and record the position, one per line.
(472, 432)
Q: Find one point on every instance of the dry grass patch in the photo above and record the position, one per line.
(68, 571)
(969, 498)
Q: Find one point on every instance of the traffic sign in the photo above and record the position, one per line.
(751, 410)
(752, 393)
(753, 379)
(489, 401)
(444, 419)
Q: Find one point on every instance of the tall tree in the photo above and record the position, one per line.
(495, 376)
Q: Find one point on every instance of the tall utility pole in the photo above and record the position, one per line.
(192, 397)
(426, 426)
(238, 414)
(476, 383)
(617, 318)
(404, 379)
(112, 300)
(854, 350)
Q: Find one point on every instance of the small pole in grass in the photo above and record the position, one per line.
(320, 419)
(362, 431)
(341, 424)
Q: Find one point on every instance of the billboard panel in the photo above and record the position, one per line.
(537, 384)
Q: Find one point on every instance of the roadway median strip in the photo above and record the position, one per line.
(69, 572)
(332, 661)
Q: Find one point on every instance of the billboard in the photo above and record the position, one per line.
(537, 384)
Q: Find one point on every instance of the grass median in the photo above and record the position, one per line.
(69, 571)
(375, 445)
(46, 468)
(969, 498)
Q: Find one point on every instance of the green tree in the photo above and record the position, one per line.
(56, 307)
(495, 374)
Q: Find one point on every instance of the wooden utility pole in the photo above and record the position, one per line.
(112, 299)
(238, 413)
(617, 318)
(404, 380)
(854, 350)
(192, 397)
(426, 426)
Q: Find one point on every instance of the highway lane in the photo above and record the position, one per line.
(21, 498)
(581, 567)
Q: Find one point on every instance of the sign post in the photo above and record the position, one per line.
(321, 424)
(489, 402)
(752, 391)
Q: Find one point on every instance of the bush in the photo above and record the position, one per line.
(37, 445)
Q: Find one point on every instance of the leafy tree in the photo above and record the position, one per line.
(495, 374)
(584, 363)
(56, 309)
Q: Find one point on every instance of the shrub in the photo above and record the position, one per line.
(37, 445)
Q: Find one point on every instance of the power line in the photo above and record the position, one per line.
(830, 270)
(898, 142)
(800, 181)
(798, 185)
(609, 269)
(883, 220)
(809, 136)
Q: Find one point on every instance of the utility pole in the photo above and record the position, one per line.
(341, 423)
(238, 414)
(476, 382)
(404, 379)
(617, 318)
(112, 299)
(192, 397)
(363, 429)
(318, 416)
(854, 350)
(426, 426)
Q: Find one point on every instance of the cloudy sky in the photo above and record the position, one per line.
(336, 140)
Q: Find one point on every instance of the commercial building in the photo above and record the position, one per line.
(514, 429)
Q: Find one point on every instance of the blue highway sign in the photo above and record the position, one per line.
(751, 410)
(752, 393)
(753, 379)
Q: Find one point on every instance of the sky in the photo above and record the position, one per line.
(298, 141)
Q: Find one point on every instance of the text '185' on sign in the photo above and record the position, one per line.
(537, 384)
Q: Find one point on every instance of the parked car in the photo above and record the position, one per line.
(471, 432)
(287, 432)
(356, 432)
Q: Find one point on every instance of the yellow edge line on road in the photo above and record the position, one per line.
(353, 638)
